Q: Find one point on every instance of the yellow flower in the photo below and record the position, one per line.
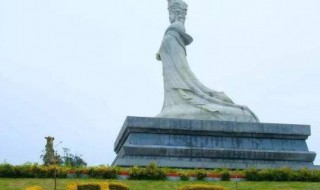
(74, 186)
(34, 188)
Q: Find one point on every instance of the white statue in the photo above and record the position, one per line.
(185, 97)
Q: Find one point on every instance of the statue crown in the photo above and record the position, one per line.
(177, 5)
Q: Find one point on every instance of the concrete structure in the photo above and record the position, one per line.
(212, 144)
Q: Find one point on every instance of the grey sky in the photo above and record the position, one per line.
(74, 69)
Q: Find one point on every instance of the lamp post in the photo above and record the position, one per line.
(236, 181)
(56, 160)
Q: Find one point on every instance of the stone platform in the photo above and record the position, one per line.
(212, 144)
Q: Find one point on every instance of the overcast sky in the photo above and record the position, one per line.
(74, 69)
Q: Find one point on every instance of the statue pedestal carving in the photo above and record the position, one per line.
(187, 143)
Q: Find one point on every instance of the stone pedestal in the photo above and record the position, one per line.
(212, 144)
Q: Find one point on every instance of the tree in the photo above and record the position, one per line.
(52, 157)
(73, 160)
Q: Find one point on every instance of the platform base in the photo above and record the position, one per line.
(181, 143)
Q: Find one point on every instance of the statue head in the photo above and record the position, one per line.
(177, 10)
(49, 140)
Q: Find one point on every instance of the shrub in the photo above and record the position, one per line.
(101, 172)
(282, 174)
(7, 170)
(118, 186)
(22, 171)
(88, 186)
(151, 172)
(45, 172)
(81, 171)
(136, 173)
(225, 175)
(111, 173)
(265, 175)
(27, 171)
(202, 187)
(36, 170)
(308, 175)
(72, 186)
(97, 172)
(62, 172)
(304, 175)
(315, 176)
(201, 174)
(34, 188)
(251, 174)
(184, 176)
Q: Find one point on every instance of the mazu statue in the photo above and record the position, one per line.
(185, 97)
(203, 128)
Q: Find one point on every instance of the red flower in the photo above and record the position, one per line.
(237, 176)
(214, 175)
(172, 175)
(123, 173)
(192, 175)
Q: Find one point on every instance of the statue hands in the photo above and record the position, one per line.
(221, 96)
(158, 57)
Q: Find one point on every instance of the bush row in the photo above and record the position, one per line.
(122, 186)
(153, 172)
(98, 186)
(201, 174)
(30, 171)
(283, 174)
(39, 171)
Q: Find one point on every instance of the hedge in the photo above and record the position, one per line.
(88, 186)
(225, 175)
(283, 174)
(39, 171)
(97, 186)
(153, 172)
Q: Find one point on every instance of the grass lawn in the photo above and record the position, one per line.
(47, 184)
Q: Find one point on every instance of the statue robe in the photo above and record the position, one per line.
(185, 97)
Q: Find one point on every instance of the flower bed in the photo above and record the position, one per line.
(34, 188)
(97, 186)
(153, 172)
(173, 176)
(237, 177)
(88, 186)
(213, 177)
(123, 175)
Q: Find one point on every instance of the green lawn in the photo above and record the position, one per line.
(47, 184)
